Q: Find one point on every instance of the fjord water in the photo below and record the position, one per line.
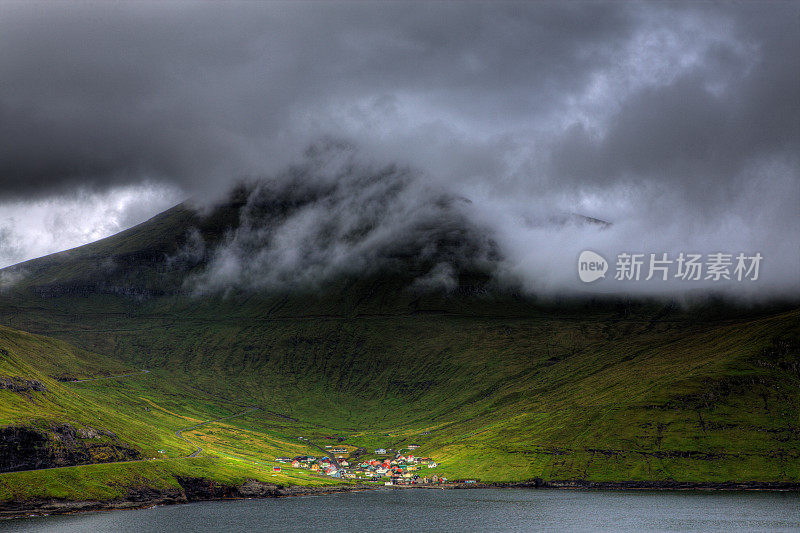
(451, 510)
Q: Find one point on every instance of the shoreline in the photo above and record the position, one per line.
(198, 490)
(194, 490)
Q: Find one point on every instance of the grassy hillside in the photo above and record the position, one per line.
(557, 397)
(50, 427)
(492, 386)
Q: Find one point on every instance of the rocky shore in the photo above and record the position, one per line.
(198, 489)
(192, 490)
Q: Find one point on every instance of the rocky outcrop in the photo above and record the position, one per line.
(30, 448)
(198, 489)
(18, 384)
(192, 490)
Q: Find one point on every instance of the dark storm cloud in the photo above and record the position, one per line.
(736, 106)
(197, 93)
(104, 94)
(678, 122)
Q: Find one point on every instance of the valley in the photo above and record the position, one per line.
(140, 396)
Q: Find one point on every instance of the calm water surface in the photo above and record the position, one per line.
(451, 510)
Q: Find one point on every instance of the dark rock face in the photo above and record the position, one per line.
(201, 489)
(27, 448)
(191, 489)
(18, 384)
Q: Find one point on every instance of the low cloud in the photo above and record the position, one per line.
(676, 122)
(40, 226)
(337, 214)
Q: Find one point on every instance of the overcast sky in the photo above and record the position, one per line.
(679, 123)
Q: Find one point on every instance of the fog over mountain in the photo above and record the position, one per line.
(503, 125)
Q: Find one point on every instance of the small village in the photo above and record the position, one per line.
(389, 466)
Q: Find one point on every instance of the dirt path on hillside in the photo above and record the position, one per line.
(179, 433)
(326, 452)
(108, 377)
(199, 449)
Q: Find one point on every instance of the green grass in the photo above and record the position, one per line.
(144, 411)
(493, 399)
(496, 388)
(116, 480)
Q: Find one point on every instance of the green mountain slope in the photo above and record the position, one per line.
(492, 386)
(79, 426)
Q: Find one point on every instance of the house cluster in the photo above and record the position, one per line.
(397, 469)
(402, 470)
(320, 465)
